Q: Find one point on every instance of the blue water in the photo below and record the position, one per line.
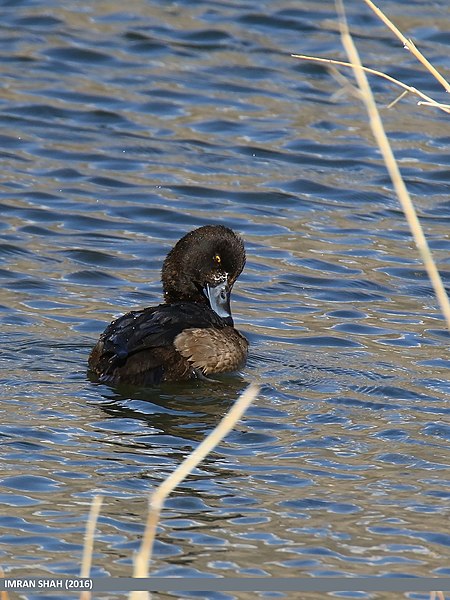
(122, 127)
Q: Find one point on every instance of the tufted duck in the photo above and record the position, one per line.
(191, 335)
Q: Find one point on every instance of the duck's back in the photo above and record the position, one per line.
(170, 342)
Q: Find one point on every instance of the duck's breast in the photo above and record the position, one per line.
(212, 350)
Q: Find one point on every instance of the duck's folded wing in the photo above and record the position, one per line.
(141, 331)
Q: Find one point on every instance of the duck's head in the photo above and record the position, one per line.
(203, 266)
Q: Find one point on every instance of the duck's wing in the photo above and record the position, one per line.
(144, 340)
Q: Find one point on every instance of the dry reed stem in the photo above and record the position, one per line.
(88, 546)
(427, 100)
(438, 595)
(156, 501)
(394, 172)
(409, 45)
(3, 595)
(392, 167)
(394, 102)
(444, 107)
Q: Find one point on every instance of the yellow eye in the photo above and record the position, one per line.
(217, 259)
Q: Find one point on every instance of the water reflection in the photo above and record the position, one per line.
(172, 414)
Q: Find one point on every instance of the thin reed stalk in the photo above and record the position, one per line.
(88, 546)
(444, 107)
(389, 159)
(3, 594)
(392, 166)
(157, 499)
(437, 595)
(409, 45)
(426, 100)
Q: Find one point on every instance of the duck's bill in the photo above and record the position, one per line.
(219, 300)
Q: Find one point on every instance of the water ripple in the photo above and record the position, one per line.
(122, 128)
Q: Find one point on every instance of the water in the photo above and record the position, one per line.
(123, 127)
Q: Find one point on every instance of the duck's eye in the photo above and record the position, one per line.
(217, 259)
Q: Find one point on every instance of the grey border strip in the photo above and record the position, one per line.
(232, 584)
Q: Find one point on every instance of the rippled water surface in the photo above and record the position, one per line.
(124, 125)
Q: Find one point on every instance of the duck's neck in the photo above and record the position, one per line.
(170, 297)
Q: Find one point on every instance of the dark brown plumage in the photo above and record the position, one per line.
(190, 335)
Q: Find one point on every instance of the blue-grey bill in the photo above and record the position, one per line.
(219, 300)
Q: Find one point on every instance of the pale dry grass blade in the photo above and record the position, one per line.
(88, 546)
(394, 102)
(156, 501)
(437, 595)
(427, 100)
(3, 595)
(444, 107)
(392, 166)
(409, 45)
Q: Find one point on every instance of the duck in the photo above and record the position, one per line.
(191, 335)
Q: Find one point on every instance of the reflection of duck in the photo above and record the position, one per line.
(190, 335)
